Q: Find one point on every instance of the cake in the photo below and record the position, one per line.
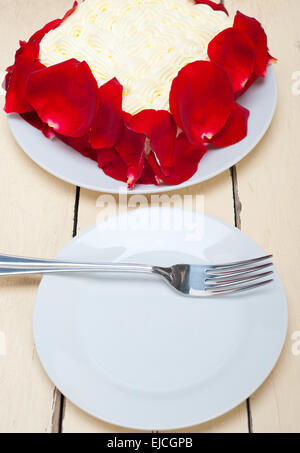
(143, 87)
(143, 43)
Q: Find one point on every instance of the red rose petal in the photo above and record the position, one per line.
(33, 119)
(213, 5)
(143, 122)
(127, 117)
(64, 96)
(234, 130)
(250, 82)
(186, 159)
(26, 61)
(15, 83)
(130, 148)
(201, 100)
(80, 144)
(148, 176)
(160, 128)
(112, 164)
(256, 33)
(107, 125)
(233, 50)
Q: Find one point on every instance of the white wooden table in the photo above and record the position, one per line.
(40, 214)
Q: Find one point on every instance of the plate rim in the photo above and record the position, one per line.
(149, 189)
(174, 427)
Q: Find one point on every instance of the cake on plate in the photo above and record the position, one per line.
(143, 87)
(142, 43)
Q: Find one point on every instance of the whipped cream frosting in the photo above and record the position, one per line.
(143, 43)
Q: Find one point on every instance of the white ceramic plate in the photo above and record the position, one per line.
(67, 164)
(131, 351)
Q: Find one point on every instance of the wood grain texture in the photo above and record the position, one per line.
(36, 219)
(269, 190)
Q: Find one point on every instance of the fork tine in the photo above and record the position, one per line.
(239, 263)
(239, 288)
(219, 284)
(214, 273)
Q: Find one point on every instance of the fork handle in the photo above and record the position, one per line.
(15, 265)
(11, 271)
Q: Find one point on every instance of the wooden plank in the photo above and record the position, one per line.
(219, 202)
(269, 189)
(36, 219)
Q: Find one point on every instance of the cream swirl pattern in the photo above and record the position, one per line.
(143, 43)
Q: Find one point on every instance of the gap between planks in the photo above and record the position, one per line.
(59, 402)
(237, 207)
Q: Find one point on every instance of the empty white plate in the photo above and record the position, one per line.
(64, 162)
(131, 351)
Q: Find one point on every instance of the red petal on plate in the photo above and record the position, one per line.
(159, 126)
(130, 148)
(233, 50)
(201, 100)
(186, 159)
(64, 96)
(143, 122)
(127, 117)
(38, 36)
(112, 164)
(26, 61)
(108, 159)
(33, 119)
(107, 125)
(256, 33)
(250, 82)
(215, 6)
(148, 175)
(81, 144)
(234, 130)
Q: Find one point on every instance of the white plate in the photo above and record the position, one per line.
(67, 164)
(132, 352)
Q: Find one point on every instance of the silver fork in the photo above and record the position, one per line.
(188, 279)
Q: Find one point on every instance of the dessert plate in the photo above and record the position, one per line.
(64, 162)
(133, 353)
